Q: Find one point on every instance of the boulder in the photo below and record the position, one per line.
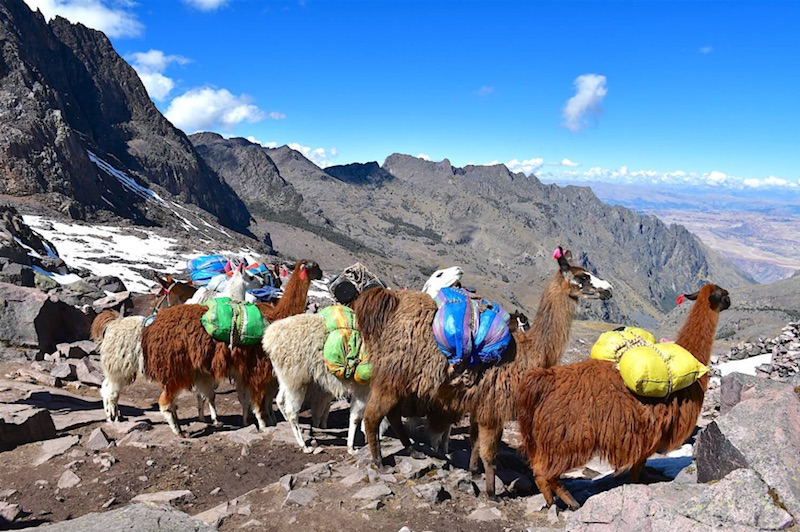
(31, 318)
(132, 517)
(106, 283)
(760, 433)
(20, 424)
(77, 350)
(18, 274)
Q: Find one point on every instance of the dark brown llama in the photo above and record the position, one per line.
(412, 377)
(177, 349)
(567, 414)
(172, 293)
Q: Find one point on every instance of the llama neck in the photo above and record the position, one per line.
(549, 331)
(698, 331)
(293, 300)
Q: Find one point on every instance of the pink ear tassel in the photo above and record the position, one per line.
(557, 253)
(679, 300)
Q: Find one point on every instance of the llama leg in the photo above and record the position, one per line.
(201, 407)
(636, 471)
(110, 392)
(377, 408)
(357, 405)
(544, 488)
(475, 455)
(204, 386)
(489, 439)
(290, 401)
(269, 397)
(439, 433)
(244, 401)
(321, 410)
(396, 421)
(166, 403)
(564, 495)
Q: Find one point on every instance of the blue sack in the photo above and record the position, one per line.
(470, 330)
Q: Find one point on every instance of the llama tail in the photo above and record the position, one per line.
(374, 308)
(99, 324)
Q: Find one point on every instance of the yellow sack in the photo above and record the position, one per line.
(610, 345)
(660, 369)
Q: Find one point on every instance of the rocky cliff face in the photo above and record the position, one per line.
(65, 92)
(500, 226)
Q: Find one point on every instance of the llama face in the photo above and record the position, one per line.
(313, 270)
(442, 278)
(586, 285)
(720, 299)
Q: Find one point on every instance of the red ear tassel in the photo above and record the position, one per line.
(303, 274)
(679, 300)
(557, 253)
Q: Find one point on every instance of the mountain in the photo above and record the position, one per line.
(79, 134)
(499, 226)
(67, 100)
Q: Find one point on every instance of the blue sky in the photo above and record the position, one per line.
(663, 92)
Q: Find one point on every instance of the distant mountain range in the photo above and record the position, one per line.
(79, 136)
(758, 230)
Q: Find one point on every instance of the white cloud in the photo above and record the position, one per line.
(150, 66)
(318, 156)
(567, 162)
(113, 21)
(770, 181)
(205, 5)
(277, 116)
(485, 91)
(271, 144)
(705, 50)
(716, 178)
(206, 109)
(424, 157)
(585, 105)
(527, 166)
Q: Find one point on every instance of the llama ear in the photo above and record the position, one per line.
(692, 296)
(563, 258)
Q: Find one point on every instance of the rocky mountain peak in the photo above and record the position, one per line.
(66, 93)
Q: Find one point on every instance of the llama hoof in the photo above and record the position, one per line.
(308, 450)
(217, 424)
(476, 475)
(352, 452)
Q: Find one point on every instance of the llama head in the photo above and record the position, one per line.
(582, 283)
(308, 269)
(718, 298)
(521, 321)
(442, 278)
(236, 285)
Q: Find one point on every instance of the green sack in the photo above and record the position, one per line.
(344, 352)
(235, 322)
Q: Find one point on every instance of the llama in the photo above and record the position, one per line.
(177, 351)
(173, 292)
(237, 291)
(295, 347)
(567, 414)
(410, 374)
(119, 342)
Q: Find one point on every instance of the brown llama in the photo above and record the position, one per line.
(177, 350)
(412, 377)
(567, 414)
(173, 292)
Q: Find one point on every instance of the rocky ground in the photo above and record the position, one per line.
(233, 477)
